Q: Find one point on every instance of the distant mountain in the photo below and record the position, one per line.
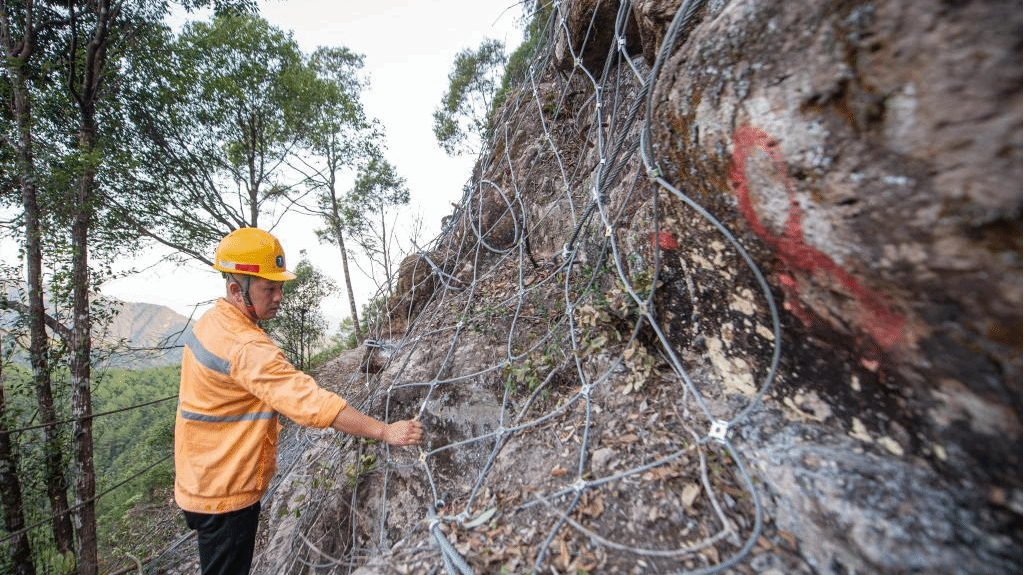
(143, 335)
(139, 335)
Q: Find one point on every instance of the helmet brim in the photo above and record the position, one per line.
(278, 276)
(272, 276)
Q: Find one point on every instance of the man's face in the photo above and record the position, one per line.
(266, 297)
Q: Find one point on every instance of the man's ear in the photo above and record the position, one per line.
(234, 291)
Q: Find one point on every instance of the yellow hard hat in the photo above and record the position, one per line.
(253, 252)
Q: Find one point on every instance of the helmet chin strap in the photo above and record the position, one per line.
(249, 307)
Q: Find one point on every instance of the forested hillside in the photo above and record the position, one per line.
(133, 434)
(137, 336)
(144, 334)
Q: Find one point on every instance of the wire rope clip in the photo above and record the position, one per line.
(655, 173)
(579, 485)
(719, 430)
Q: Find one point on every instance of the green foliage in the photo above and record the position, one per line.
(339, 131)
(481, 81)
(517, 70)
(531, 371)
(126, 443)
(369, 214)
(353, 471)
(344, 339)
(300, 325)
(217, 115)
(463, 118)
(129, 441)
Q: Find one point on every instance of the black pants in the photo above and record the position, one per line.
(226, 540)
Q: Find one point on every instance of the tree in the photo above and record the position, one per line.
(217, 113)
(462, 121)
(339, 137)
(20, 51)
(87, 55)
(378, 189)
(535, 23)
(300, 325)
(245, 77)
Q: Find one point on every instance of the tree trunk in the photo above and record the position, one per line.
(336, 220)
(303, 363)
(385, 247)
(85, 90)
(81, 400)
(10, 494)
(250, 128)
(56, 483)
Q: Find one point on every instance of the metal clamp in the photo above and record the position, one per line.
(579, 485)
(719, 430)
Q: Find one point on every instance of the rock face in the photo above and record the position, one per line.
(737, 287)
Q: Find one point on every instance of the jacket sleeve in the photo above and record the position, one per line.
(261, 367)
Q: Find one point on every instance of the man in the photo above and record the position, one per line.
(234, 383)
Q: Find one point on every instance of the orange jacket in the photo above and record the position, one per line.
(234, 382)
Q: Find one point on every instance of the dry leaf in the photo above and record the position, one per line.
(663, 472)
(559, 471)
(733, 491)
(789, 537)
(592, 506)
(690, 493)
(563, 555)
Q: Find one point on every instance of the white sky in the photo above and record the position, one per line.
(409, 47)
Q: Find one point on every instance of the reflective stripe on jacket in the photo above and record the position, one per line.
(234, 382)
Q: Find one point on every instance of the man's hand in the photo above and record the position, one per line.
(407, 432)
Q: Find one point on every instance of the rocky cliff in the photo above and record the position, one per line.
(734, 287)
